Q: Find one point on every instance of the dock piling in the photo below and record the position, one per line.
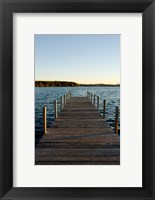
(98, 102)
(70, 94)
(44, 120)
(66, 96)
(91, 97)
(64, 100)
(61, 104)
(104, 107)
(88, 95)
(116, 120)
(94, 99)
(55, 109)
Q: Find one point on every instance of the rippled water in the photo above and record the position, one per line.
(47, 95)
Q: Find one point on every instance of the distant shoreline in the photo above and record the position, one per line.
(97, 85)
(70, 84)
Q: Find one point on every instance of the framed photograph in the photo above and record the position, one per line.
(77, 99)
(77, 126)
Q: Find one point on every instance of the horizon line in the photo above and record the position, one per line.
(82, 83)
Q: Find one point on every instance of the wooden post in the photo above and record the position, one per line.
(44, 120)
(104, 107)
(64, 100)
(116, 120)
(94, 99)
(91, 97)
(66, 97)
(98, 102)
(55, 109)
(61, 104)
(70, 95)
(88, 95)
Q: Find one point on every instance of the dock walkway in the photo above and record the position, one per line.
(79, 136)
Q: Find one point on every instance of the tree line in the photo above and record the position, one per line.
(55, 84)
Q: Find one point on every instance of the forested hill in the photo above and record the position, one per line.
(55, 84)
(69, 84)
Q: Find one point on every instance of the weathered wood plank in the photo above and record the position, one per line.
(77, 162)
(103, 129)
(90, 139)
(80, 125)
(72, 145)
(78, 134)
(78, 152)
(87, 120)
(80, 158)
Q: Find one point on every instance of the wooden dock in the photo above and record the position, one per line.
(79, 136)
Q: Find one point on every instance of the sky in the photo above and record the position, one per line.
(87, 59)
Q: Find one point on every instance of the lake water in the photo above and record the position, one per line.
(47, 95)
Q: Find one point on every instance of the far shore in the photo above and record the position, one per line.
(70, 84)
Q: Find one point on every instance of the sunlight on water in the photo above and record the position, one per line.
(47, 95)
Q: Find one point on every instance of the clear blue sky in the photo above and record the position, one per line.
(78, 58)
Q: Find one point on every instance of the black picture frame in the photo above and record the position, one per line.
(7, 8)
